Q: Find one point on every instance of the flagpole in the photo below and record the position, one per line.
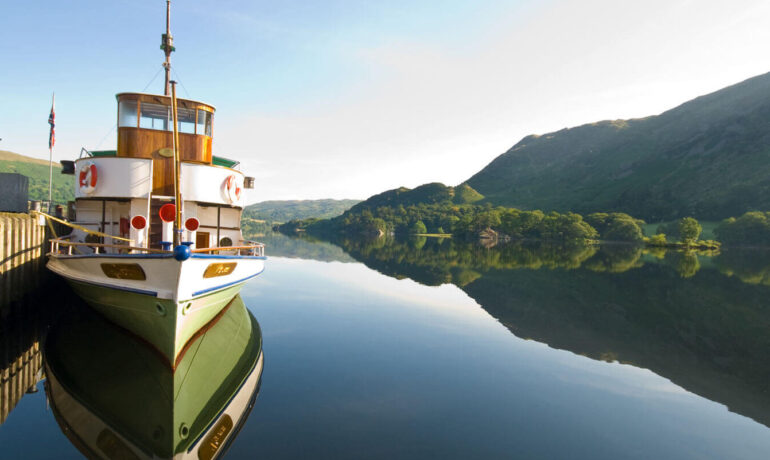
(50, 160)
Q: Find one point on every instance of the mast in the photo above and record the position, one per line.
(177, 193)
(167, 45)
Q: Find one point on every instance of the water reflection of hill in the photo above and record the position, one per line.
(703, 330)
(307, 247)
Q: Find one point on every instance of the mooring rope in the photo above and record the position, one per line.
(79, 227)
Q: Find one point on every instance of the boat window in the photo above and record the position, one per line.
(225, 242)
(127, 114)
(155, 116)
(204, 122)
(186, 119)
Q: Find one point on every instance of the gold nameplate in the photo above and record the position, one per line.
(215, 439)
(124, 271)
(214, 270)
(167, 152)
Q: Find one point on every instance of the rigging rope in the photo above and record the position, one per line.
(179, 79)
(116, 125)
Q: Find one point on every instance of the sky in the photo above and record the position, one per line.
(345, 99)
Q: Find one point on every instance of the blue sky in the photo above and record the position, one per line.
(349, 98)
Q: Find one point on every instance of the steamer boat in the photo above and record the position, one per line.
(157, 246)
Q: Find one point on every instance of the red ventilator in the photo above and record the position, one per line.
(167, 214)
(191, 225)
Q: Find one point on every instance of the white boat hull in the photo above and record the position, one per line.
(174, 301)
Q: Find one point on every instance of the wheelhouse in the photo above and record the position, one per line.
(121, 192)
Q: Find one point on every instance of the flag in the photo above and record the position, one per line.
(51, 121)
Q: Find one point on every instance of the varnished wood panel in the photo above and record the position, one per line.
(147, 143)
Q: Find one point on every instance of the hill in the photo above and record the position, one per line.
(708, 158)
(37, 171)
(433, 193)
(284, 211)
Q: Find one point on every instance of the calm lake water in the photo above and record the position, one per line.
(438, 349)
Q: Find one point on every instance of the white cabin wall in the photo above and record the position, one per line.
(231, 217)
(207, 215)
(206, 184)
(234, 235)
(117, 177)
(88, 213)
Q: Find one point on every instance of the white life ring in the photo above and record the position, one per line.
(87, 178)
(232, 189)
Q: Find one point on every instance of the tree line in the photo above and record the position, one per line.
(471, 221)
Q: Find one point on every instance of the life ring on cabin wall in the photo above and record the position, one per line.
(87, 178)
(232, 189)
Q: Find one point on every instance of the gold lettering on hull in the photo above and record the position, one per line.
(216, 438)
(124, 271)
(219, 269)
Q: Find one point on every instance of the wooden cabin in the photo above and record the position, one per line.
(145, 130)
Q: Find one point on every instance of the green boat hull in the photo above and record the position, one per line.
(163, 323)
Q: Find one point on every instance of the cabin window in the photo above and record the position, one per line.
(127, 114)
(186, 119)
(204, 123)
(225, 242)
(155, 116)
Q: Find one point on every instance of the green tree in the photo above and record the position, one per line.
(689, 230)
(751, 228)
(418, 227)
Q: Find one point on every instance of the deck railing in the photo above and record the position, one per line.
(249, 248)
(61, 245)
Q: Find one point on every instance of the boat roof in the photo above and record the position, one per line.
(117, 96)
(215, 160)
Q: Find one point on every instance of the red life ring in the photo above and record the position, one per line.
(87, 178)
(232, 190)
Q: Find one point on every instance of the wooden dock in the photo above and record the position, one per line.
(22, 255)
(23, 307)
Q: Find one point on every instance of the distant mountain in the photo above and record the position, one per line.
(37, 171)
(432, 193)
(284, 211)
(708, 158)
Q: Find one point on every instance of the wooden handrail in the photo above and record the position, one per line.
(228, 248)
(103, 245)
(62, 242)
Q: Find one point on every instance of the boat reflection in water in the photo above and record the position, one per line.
(115, 396)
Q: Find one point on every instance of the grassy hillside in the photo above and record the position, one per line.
(37, 171)
(433, 193)
(708, 158)
(284, 211)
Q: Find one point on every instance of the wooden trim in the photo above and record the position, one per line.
(104, 210)
(229, 248)
(101, 198)
(222, 228)
(219, 222)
